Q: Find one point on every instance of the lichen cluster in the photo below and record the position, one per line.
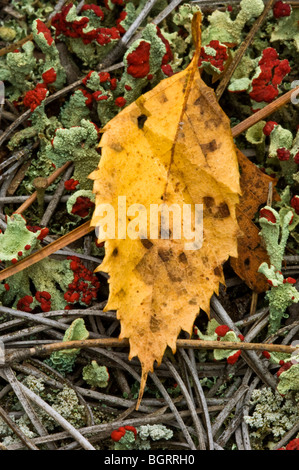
(271, 417)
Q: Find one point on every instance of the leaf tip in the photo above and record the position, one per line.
(141, 389)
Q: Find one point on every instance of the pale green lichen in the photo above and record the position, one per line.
(18, 69)
(154, 432)
(51, 56)
(74, 110)
(20, 137)
(127, 442)
(256, 137)
(227, 30)
(280, 138)
(95, 375)
(271, 418)
(64, 360)
(289, 379)
(211, 335)
(286, 30)
(64, 401)
(146, 434)
(49, 275)
(15, 238)
(282, 293)
(77, 144)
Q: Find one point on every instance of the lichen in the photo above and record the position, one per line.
(77, 144)
(275, 233)
(227, 30)
(80, 203)
(64, 360)
(48, 285)
(95, 375)
(217, 332)
(271, 417)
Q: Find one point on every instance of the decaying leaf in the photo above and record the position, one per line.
(251, 252)
(173, 146)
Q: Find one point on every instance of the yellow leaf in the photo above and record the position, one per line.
(173, 146)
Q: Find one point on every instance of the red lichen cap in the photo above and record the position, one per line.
(120, 102)
(95, 8)
(267, 214)
(138, 60)
(296, 158)
(35, 97)
(71, 184)
(167, 70)
(118, 434)
(218, 60)
(283, 154)
(286, 366)
(82, 206)
(233, 358)
(42, 28)
(281, 9)
(293, 445)
(49, 76)
(121, 18)
(168, 56)
(290, 280)
(272, 72)
(24, 303)
(221, 330)
(268, 128)
(266, 354)
(295, 204)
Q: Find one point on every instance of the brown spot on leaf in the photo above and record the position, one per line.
(217, 272)
(209, 147)
(183, 258)
(115, 252)
(163, 98)
(209, 201)
(154, 324)
(222, 211)
(165, 255)
(116, 146)
(146, 243)
(141, 120)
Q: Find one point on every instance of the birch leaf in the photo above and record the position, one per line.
(172, 146)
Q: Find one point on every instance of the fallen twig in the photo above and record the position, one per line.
(47, 349)
(264, 113)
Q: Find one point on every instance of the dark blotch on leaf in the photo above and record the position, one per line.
(141, 120)
(146, 243)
